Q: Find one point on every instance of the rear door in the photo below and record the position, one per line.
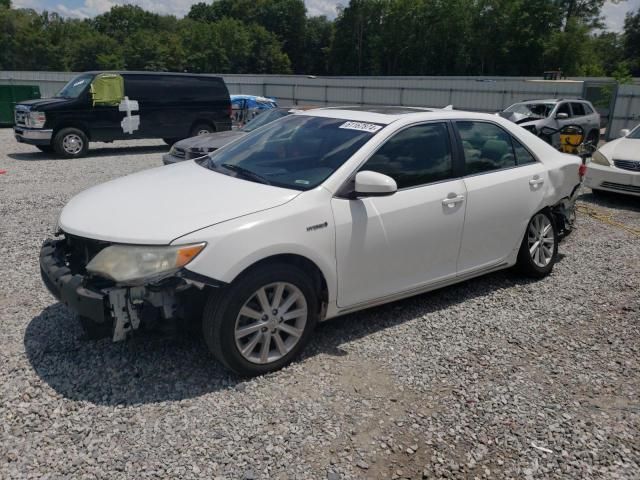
(393, 244)
(505, 187)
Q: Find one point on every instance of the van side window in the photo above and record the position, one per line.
(415, 156)
(486, 147)
(578, 109)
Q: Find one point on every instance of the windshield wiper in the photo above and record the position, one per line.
(246, 173)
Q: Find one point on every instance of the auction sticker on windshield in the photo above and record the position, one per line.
(363, 127)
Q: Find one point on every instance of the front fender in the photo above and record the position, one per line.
(302, 227)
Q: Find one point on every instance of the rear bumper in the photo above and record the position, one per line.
(612, 179)
(68, 288)
(33, 136)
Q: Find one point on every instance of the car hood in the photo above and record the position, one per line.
(154, 207)
(519, 118)
(622, 149)
(43, 103)
(211, 141)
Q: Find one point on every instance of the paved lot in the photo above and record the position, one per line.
(498, 377)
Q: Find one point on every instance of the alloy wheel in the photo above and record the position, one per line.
(271, 322)
(541, 240)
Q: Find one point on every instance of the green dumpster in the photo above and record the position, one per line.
(12, 94)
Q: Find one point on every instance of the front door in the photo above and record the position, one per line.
(394, 244)
(505, 188)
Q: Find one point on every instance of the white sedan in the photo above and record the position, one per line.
(615, 167)
(316, 215)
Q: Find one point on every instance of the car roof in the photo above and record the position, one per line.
(388, 115)
(556, 100)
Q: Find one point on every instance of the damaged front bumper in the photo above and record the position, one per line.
(122, 308)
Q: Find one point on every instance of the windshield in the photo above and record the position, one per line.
(75, 87)
(298, 152)
(635, 133)
(537, 110)
(264, 118)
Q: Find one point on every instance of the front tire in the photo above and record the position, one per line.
(539, 247)
(262, 320)
(71, 143)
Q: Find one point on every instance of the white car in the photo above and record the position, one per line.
(316, 215)
(615, 167)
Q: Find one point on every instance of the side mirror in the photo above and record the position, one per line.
(624, 132)
(374, 184)
(562, 116)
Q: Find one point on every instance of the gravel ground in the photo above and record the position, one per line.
(498, 377)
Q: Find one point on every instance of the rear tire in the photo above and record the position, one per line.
(539, 248)
(71, 143)
(45, 148)
(201, 129)
(244, 351)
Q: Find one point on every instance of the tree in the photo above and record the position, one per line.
(5, 3)
(317, 46)
(631, 42)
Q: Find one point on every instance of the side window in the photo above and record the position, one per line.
(486, 147)
(578, 109)
(587, 109)
(415, 156)
(564, 108)
(523, 157)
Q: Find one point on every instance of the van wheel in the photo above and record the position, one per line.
(201, 129)
(539, 247)
(71, 143)
(262, 320)
(45, 148)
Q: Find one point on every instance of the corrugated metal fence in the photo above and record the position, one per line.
(486, 94)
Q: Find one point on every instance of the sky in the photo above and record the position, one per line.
(614, 13)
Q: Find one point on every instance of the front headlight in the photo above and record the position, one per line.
(599, 159)
(128, 263)
(37, 119)
(172, 150)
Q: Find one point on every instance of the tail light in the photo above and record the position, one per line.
(582, 170)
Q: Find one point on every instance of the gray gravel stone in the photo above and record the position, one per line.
(467, 377)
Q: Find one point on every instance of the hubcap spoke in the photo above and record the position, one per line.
(293, 331)
(264, 301)
(244, 331)
(540, 240)
(277, 296)
(248, 349)
(266, 346)
(294, 314)
(271, 322)
(289, 301)
(251, 313)
(280, 344)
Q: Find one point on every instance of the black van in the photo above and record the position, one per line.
(107, 106)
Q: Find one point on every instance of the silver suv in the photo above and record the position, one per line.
(556, 113)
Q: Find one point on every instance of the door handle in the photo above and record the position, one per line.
(535, 181)
(452, 201)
